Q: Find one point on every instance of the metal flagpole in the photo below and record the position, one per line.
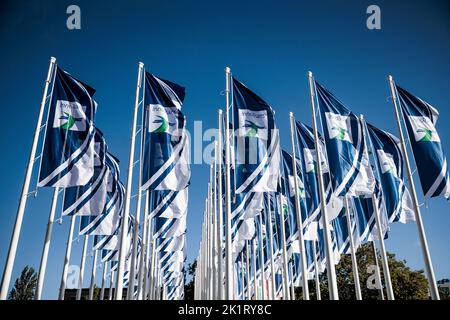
(126, 211)
(384, 260)
(261, 258)
(208, 256)
(272, 262)
(62, 288)
(298, 213)
(26, 184)
(94, 269)
(134, 254)
(331, 271)
(216, 229)
(220, 205)
(352, 251)
(291, 264)
(375, 256)
(102, 291)
(140, 285)
(423, 239)
(111, 282)
(148, 257)
(316, 271)
(228, 249)
(242, 275)
(82, 265)
(247, 269)
(255, 283)
(152, 272)
(211, 235)
(46, 248)
(286, 294)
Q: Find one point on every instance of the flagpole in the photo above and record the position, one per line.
(331, 270)
(211, 235)
(26, 184)
(286, 295)
(261, 258)
(301, 240)
(102, 291)
(375, 256)
(228, 251)
(316, 271)
(46, 248)
(126, 212)
(82, 265)
(147, 264)
(111, 281)
(216, 229)
(423, 239)
(255, 283)
(136, 221)
(352, 251)
(62, 288)
(219, 204)
(272, 263)
(144, 248)
(292, 280)
(384, 260)
(94, 269)
(247, 269)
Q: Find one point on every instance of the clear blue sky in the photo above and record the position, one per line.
(269, 45)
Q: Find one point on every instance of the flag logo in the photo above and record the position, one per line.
(253, 124)
(338, 126)
(423, 129)
(162, 120)
(387, 163)
(300, 187)
(70, 116)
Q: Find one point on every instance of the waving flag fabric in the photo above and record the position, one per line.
(420, 118)
(257, 153)
(166, 143)
(169, 203)
(68, 152)
(389, 163)
(343, 140)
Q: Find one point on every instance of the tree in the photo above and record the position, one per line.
(25, 285)
(407, 284)
(189, 287)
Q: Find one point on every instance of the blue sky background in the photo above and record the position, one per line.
(269, 45)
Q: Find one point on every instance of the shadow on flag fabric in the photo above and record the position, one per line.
(68, 149)
(168, 203)
(166, 142)
(420, 119)
(257, 146)
(343, 140)
(389, 164)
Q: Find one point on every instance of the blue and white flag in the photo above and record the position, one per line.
(343, 139)
(257, 145)
(389, 163)
(420, 118)
(68, 150)
(166, 228)
(168, 203)
(166, 143)
(90, 199)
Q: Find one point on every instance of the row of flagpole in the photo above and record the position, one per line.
(216, 276)
(214, 262)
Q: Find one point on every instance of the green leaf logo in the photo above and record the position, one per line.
(71, 120)
(253, 128)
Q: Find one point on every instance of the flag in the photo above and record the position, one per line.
(389, 163)
(68, 149)
(343, 140)
(257, 153)
(420, 119)
(166, 143)
(168, 203)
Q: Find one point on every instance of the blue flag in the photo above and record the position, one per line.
(343, 140)
(166, 143)
(420, 118)
(389, 164)
(257, 152)
(68, 151)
